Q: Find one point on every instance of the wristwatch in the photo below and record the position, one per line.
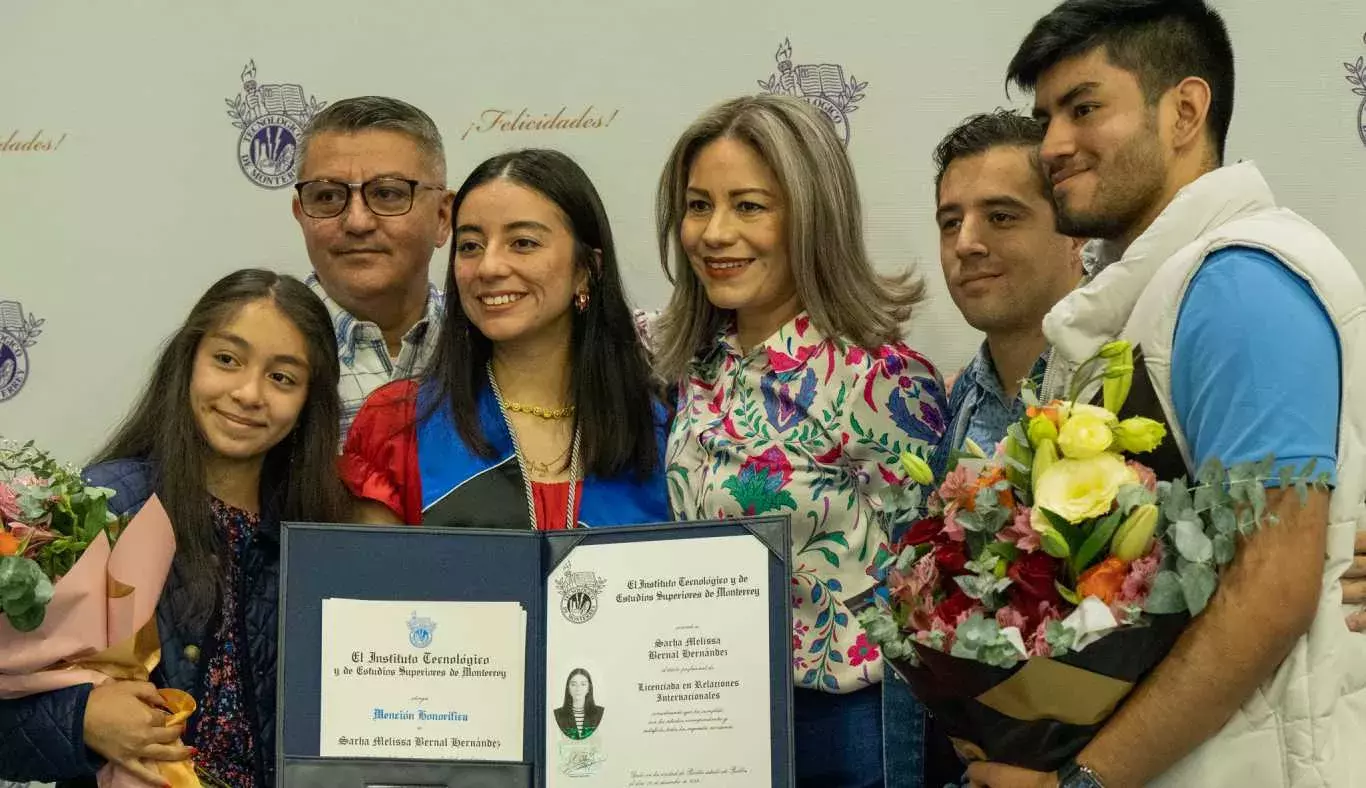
(1074, 775)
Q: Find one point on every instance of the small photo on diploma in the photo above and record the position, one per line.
(580, 715)
(580, 746)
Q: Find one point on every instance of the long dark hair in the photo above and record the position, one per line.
(298, 479)
(588, 702)
(610, 375)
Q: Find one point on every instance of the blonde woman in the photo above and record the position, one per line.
(797, 394)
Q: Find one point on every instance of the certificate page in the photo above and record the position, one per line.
(439, 680)
(657, 665)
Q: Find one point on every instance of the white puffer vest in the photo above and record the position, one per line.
(1306, 726)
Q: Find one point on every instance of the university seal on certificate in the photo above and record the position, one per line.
(420, 631)
(579, 594)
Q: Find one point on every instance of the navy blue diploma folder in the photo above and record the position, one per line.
(468, 564)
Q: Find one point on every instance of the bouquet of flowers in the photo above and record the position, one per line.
(79, 589)
(1049, 578)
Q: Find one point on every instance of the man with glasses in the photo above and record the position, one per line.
(372, 202)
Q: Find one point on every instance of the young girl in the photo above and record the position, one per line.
(797, 393)
(237, 430)
(537, 410)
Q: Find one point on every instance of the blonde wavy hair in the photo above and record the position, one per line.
(844, 296)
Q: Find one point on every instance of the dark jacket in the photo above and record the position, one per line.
(41, 736)
(592, 720)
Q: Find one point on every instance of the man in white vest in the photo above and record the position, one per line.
(1251, 328)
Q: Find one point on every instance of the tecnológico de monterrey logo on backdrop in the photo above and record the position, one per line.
(1356, 75)
(17, 335)
(271, 118)
(822, 85)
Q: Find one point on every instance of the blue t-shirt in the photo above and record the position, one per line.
(1256, 366)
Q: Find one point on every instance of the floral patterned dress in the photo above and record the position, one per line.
(814, 428)
(227, 746)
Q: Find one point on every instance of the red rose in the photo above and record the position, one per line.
(951, 557)
(956, 605)
(920, 532)
(1033, 575)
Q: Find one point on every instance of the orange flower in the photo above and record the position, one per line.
(9, 545)
(1049, 411)
(1104, 580)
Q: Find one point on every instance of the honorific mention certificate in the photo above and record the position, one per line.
(434, 680)
(657, 665)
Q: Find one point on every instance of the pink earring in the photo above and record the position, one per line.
(581, 300)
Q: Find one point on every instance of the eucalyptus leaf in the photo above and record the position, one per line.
(969, 521)
(1257, 496)
(1177, 501)
(1246, 486)
(1166, 595)
(28, 620)
(24, 592)
(1132, 496)
(984, 564)
(1211, 473)
(1224, 520)
(1262, 468)
(907, 559)
(1197, 583)
(974, 586)
(1191, 542)
(1060, 637)
(981, 639)
(990, 514)
(977, 630)
(1206, 497)
(14, 578)
(1223, 549)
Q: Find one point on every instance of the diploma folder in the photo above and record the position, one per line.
(321, 561)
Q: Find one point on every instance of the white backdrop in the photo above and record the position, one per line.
(122, 199)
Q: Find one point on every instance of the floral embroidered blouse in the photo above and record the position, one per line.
(814, 428)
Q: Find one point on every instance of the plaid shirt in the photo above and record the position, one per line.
(365, 361)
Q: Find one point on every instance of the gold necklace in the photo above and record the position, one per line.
(536, 410)
(569, 508)
(544, 469)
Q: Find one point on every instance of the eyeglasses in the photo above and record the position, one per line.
(324, 199)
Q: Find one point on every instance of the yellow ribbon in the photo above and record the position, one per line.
(178, 774)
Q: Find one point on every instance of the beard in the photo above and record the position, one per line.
(1126, 191)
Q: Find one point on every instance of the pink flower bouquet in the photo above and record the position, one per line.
(79, 588)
